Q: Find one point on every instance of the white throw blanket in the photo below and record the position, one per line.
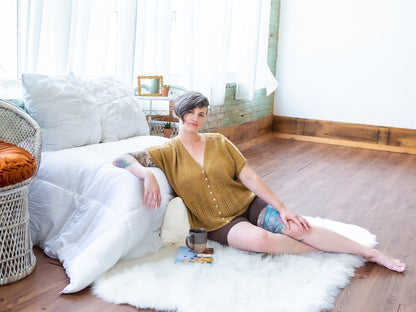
(90, 214)
(236, 281)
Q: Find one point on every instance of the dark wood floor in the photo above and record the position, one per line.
(376, 190)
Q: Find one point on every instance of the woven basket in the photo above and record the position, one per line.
(16, 253)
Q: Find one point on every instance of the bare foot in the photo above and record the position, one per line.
(386, 261)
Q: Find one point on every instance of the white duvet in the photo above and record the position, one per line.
(90, 214)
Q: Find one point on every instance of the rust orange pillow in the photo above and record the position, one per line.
(16, 164)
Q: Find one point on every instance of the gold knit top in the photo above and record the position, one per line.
(212, 193)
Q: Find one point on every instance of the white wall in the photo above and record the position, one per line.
(348, 61)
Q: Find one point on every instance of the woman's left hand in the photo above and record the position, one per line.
(287, 216)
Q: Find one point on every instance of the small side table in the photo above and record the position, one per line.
(157, 118)
(174, 92)
(157, 98)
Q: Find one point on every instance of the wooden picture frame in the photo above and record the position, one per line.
(151, 84)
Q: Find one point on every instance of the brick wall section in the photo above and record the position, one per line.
(273, 34)
(234, 112)
(239, 111)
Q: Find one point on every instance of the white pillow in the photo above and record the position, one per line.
(120, 114)
(175, 225)
(64, 110)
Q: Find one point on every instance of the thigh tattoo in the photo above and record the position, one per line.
(270, 220)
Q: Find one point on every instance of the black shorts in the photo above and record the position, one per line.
(251, 215)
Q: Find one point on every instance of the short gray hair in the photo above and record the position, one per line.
(189, 101)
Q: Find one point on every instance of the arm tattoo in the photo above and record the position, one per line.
(143, 158)
(122, 162)
(128, 159)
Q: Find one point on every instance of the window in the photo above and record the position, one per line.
(9, 49)
(209, 42)
(8, 42)
(180, 11)
(221, 41)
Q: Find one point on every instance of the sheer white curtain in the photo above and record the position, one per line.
(209, 35)
(201, 41)
(89, 37)
(194, 52)
(253, 72)
(153, 44)
(190, 42)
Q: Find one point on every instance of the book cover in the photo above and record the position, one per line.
(186, 256)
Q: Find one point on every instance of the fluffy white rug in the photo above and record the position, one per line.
(236, 281)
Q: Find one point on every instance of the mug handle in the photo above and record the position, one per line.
(187, 240)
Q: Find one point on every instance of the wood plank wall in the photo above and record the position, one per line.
(347, 134)
(248, 134)
(390, 139)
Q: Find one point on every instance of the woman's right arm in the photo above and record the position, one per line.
(138, 163)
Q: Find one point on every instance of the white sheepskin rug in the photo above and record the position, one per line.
(237, 280)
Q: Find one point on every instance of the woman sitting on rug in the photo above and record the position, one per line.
(225, 196)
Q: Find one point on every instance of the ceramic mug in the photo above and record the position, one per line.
(197, 240)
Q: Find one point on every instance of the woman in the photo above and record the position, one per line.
(227, 198)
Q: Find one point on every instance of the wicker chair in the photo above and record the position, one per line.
(16, 253)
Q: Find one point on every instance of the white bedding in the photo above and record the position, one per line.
(89, 214)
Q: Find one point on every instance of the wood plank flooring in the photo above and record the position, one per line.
(374, 189)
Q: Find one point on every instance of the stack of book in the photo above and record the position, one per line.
(186, 256)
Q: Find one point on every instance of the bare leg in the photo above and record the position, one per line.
(327, 240)
(247, 236)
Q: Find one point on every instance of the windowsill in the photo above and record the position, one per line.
(11, 88)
